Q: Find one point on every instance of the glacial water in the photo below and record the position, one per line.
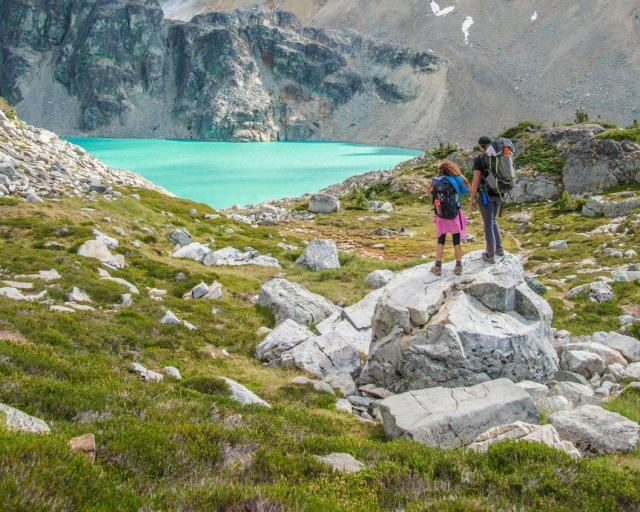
(222, 174)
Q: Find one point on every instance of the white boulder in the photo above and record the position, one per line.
(319, 255)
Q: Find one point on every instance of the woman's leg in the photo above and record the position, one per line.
(457, 247)
(440, 248)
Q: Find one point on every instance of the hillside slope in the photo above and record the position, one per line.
(72, 339)
(578, 54)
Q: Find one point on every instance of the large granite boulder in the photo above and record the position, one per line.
(290, 300)
(323, 203)
(449, 418)
(319, 255)
(595, 430)
(430, 330)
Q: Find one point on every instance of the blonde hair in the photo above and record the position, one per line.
(449, 168)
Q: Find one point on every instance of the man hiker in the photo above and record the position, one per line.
(490, 200)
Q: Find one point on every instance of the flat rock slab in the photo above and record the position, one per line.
(18, 421)
(595, 430)
(453, 417)
(341, 462)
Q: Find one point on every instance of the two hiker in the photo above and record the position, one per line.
(493, 173)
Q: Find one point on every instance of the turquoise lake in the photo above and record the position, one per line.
(222, 174)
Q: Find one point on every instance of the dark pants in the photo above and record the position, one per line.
(491, 230)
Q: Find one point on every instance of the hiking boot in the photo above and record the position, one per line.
(457, 270)
(437, 270)
(487, 258)
(500, 252)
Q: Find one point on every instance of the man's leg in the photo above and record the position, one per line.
(496, 229)
(488, 217)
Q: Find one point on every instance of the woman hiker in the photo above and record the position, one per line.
(490, 202)
(454, 221)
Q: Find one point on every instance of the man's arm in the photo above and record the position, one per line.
(474, 187)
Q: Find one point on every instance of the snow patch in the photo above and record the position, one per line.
(435, 7)
(466, 25)
(534, 16)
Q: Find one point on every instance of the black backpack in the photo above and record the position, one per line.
(447, 196)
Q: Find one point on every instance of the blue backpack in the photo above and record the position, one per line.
(446, 196)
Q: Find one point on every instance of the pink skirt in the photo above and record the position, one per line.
(457, 225)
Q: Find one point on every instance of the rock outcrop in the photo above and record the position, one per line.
(450, 418)
(36, 164)
(257, 75)
(429, 330)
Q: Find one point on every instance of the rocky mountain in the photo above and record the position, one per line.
(507, 60)
(118, 68)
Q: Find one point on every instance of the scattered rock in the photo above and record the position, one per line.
(193, 251)
(84, 444)
(343, 382)
(608, 355)
(319, 255)
(558, 244)
(598, 292)
(241, 394)
(109, 241)
(98, 249)
(449, 418)
(15, 420)
(583, 362)
(180, 237)
(323, 203)
(551, 404)
(77, 295)
(291, 301)
(629, 347)
(594, 430)
(536, 390)
(230, 256)
(144, 373)
(126, 300)
(283, 338)
(204, 291)
(105, 276)
(381, 206)
(521, 431)
(577, 394)
(173, 372)
(343, 405)
(341, 462)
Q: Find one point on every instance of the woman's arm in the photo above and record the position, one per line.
(474, 188)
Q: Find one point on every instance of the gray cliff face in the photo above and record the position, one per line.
(119, 68)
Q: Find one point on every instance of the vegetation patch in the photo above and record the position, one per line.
(541, 157)
(516, 132)
(7, 109)
(621, 134)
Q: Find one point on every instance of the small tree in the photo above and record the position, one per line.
(581, 116)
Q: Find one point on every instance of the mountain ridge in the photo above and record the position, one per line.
(120, 69)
